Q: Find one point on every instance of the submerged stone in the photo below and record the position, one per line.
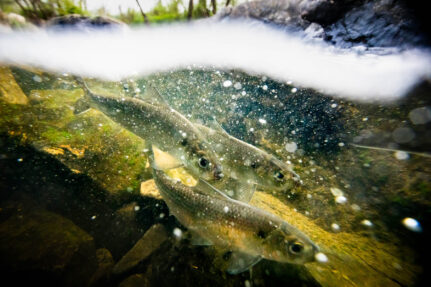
(105, 263)
(10, 91)
(45, 247)
(145, 246)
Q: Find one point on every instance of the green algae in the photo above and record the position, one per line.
(90, 142)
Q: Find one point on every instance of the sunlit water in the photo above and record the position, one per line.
(364, 166)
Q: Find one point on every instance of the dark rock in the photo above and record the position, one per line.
(44, 247)
(346, 23)
(145, 246)
(136, 280)
(376, 24)
(78, 22)
(328, 12)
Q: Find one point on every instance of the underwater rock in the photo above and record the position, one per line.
(87, 143)
(145, 246)
(44, 247)
(10, 91)
(128, 212)
(135, 280)
(345, 23)
(105, 263)
(148, 188)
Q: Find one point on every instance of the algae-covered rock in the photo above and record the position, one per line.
(10, 91)
(88, 143)
(44, 247)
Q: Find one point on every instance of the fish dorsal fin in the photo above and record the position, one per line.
(163, 160)
(206, 188)
(153, 96)
(238, 262)
(214, 124)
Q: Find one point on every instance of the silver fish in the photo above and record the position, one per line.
(246, 165)
(158, 125)
(248, 232)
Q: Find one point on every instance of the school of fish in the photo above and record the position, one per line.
(228, 170)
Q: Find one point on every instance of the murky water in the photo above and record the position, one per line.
(78, 204)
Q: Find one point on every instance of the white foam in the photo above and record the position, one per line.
(256, 49)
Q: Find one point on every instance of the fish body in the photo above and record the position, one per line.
(246, 163)
(159, 125)
(234, 225)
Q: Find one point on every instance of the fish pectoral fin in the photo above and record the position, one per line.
(238, 262)
(153, 96)
(241, 191)
(204, 187)
(163, 160)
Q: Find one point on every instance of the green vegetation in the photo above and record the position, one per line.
(39, 11)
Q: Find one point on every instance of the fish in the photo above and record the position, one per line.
(422, 154)
(246, 233)
(247, 166)
(160, 125)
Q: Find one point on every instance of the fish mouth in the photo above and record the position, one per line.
(218, 173)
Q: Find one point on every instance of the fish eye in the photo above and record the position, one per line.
(296, 248)
(278, 176)
(203, 162)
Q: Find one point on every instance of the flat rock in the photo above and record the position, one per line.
(145, 246)
(10, 91)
